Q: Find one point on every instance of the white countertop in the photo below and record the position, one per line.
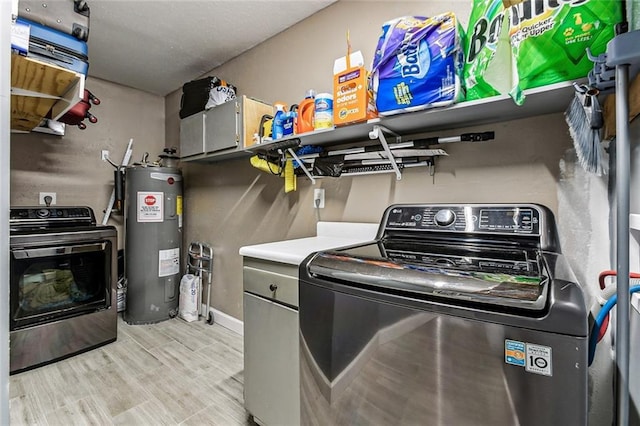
(329, 235)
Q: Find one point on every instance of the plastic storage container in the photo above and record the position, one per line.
(323, 114)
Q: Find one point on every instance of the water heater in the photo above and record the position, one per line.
(153, 239)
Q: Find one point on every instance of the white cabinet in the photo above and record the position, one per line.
(271, 334)
(271, 352)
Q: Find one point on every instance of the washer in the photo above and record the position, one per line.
(455, 315)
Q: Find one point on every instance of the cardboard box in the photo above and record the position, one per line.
(352, 102)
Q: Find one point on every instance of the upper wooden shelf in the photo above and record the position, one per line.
(37, 88)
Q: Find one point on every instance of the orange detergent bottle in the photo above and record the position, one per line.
(306, 110)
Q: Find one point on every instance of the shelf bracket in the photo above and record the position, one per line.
(304, 169)
(378, 133)
(70, 98)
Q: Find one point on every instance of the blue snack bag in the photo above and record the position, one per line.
(417, 64)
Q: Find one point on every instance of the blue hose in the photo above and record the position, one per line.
(593, 339)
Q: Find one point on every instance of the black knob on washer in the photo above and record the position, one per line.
(444, 217)
(43, 213)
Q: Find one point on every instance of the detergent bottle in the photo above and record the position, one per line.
(294, 109)
(306, 110)
(282, 121)
(277, 128)
(288, 123)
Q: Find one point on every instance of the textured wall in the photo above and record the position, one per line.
(231, 204)
(71, 166)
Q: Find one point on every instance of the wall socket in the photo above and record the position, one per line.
(104, 154)
(318, 195)
(42, 201)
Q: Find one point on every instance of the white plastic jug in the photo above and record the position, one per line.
(188, 302)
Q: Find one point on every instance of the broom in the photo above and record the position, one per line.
(584, 117)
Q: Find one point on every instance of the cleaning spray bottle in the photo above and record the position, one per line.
(306, 110)
(288, 122)
(277, 129)
(282, 121)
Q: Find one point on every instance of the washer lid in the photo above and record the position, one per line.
(503, 276)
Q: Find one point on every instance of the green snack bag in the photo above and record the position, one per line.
(549, 39)
(487, 68)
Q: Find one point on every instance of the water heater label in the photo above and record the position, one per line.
(179, 210)
(150, 207)
(179, 205)
(168, 262)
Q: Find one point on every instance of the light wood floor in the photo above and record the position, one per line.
(170, 373)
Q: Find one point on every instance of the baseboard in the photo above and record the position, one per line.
(227, 321)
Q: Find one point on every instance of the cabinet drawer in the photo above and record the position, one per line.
(272, 285)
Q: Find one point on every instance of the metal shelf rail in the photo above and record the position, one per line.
(383, 157)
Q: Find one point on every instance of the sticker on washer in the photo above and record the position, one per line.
(535, 358)
(539, 359)
(168, 262)
(150, 207)
(514, 353)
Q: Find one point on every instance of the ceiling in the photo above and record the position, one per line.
(158, 45)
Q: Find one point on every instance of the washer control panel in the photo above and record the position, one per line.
(500, 219)
(51, 216)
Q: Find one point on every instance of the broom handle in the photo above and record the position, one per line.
(622, 250)
(623, 166)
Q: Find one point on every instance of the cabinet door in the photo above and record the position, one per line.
(192, 135)
(221, 127)
(271, 362)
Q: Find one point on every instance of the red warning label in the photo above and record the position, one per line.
(150, 207)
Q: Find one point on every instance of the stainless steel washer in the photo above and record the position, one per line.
(63, 272)
(454, 315)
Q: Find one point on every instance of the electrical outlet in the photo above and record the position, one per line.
(318, 198)
(104, 154)
(43, 202)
